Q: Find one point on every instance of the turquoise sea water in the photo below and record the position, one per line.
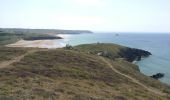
(157, 44)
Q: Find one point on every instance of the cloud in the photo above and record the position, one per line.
(97, 3)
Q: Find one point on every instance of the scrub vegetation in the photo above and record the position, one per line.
(75, 74)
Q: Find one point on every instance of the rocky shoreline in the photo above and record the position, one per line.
(132, 54)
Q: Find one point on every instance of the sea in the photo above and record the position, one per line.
(156, 43)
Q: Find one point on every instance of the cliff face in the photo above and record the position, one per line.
(131, 54)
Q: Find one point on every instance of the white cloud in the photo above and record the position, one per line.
(98, 3)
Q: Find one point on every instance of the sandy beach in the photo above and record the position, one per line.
(57, 43)
(38, 44)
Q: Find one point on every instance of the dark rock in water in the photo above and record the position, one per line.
(129, 54)
(132, 54)
(158, 76)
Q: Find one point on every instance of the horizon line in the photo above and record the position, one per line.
(94, 31)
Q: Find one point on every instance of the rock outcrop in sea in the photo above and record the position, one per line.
(132, 54)
(157, 76)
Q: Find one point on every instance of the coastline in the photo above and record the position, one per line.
(40, 43)
(65, 37)
(37, 44)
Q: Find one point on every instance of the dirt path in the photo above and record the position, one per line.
(133, 79)
(16, 59)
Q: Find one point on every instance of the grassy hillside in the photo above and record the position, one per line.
(6, 38)
(10, 53)
(75, 75)
(113, 51)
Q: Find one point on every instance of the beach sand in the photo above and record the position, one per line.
(38, 44)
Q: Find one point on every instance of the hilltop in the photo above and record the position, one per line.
(113, 51)
(86, 72)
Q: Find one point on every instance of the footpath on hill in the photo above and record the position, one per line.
(133, 79)
(16, 59)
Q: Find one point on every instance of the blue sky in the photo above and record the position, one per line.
(96, 15)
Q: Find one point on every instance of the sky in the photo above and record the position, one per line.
(95, 15)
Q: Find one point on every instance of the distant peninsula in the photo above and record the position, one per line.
(12, 35)
(43, 31)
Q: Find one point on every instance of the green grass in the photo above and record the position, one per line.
(7, 53)
(113, 51)
(99, 47)
(7, 38)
